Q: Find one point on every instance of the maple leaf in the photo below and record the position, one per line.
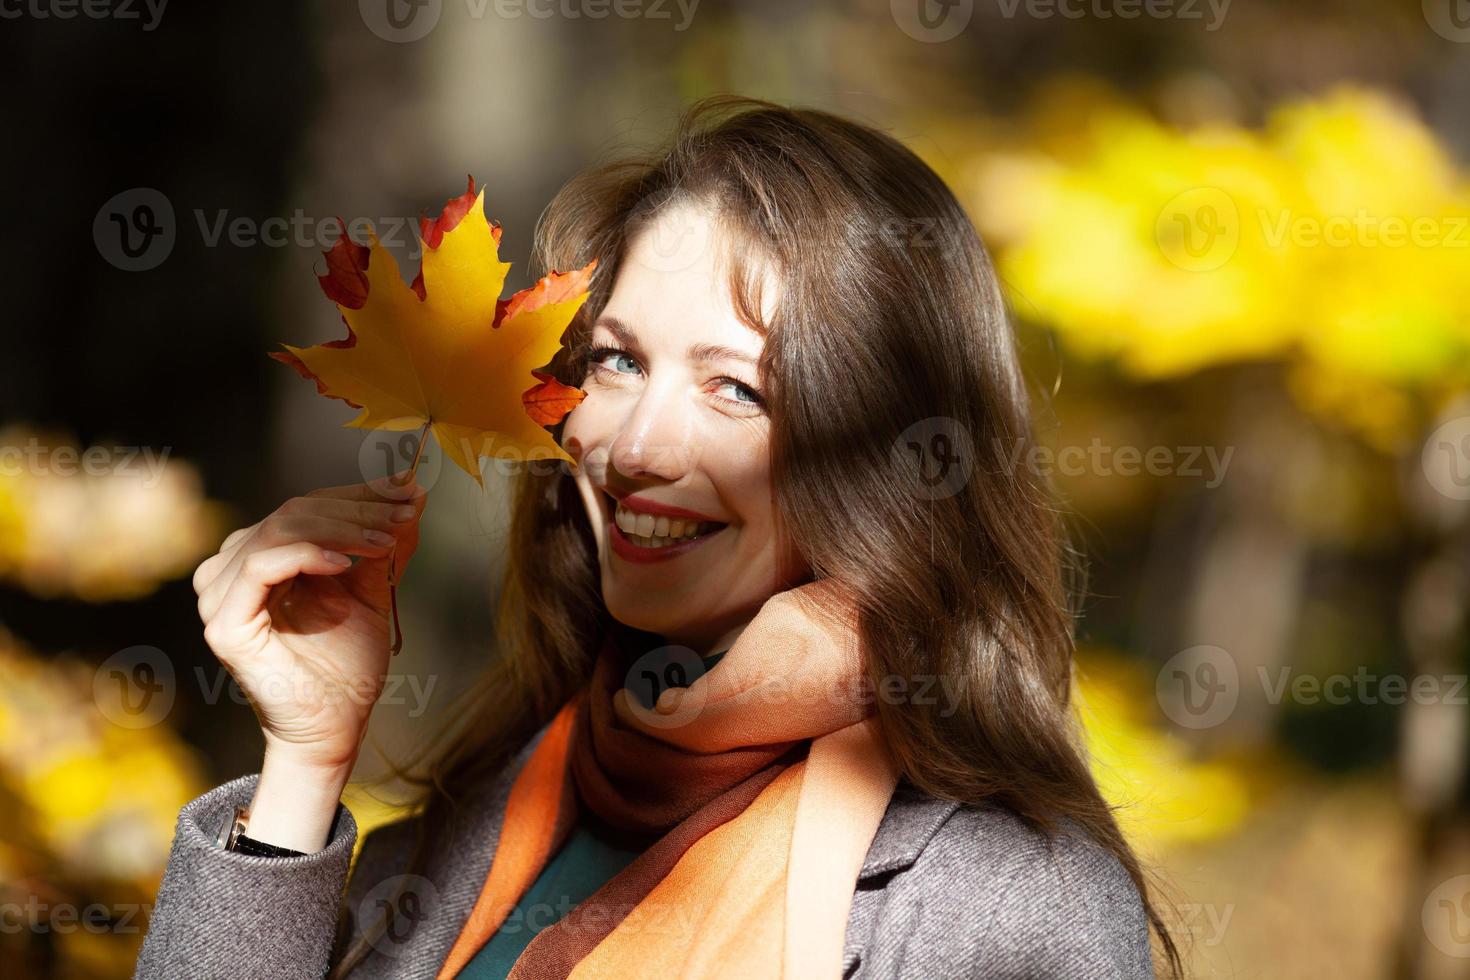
(446, 351)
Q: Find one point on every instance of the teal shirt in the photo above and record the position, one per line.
(593, 853)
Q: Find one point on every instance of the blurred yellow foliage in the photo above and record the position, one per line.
(89, 814)
(100, 523)
(102, 798)
(372, 807)
(1163, 796)
(1337, 237)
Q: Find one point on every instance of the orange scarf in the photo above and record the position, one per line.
(768, 780)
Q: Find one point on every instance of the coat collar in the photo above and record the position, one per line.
(912, 819)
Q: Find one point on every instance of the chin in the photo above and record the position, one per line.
(648, 613)
(675, 623)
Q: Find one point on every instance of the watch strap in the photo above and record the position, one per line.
(259, 848)
(232, 838)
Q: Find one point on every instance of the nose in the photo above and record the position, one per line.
(655, 440)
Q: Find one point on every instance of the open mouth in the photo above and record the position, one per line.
(642, 536)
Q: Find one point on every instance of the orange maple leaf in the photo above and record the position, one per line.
(445, 351)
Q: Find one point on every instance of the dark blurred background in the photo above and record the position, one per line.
(1234, 235)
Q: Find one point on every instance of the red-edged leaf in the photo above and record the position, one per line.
(432, 230)
(554, 287)
(548, 402)
(346, 281)
(416, 359)
(286, 357)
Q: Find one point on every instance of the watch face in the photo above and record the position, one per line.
(230, 828)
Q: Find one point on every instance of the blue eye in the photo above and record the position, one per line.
(597, 354)
(746, 395)
(751, 398)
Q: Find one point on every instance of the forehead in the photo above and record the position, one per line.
(674, 283)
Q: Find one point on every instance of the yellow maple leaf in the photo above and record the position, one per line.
(445, 351)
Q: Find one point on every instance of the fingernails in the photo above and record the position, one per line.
(336, 557)
(399, 515)
(374, 536)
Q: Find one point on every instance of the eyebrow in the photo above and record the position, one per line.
(697, 352)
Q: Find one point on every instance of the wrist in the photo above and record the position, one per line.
(296, 802)
(307, 764)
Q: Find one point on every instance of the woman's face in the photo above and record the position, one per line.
(672, 444)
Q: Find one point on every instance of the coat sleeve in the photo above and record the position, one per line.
(219, 912)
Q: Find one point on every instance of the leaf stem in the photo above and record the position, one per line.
(413, 469)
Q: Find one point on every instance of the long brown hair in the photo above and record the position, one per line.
(890, 340)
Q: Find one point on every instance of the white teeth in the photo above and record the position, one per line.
(657, 532)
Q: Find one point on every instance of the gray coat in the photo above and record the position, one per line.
(946, 890)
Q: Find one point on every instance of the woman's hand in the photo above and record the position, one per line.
(305, 633)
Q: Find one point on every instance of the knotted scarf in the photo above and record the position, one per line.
(764, 779)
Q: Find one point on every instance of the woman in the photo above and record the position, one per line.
(787, 652)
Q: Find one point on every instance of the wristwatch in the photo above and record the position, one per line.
(232, 838)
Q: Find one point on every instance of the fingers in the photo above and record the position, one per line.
(383, 488)
(280, 529)
(241, 624)
(235, 537)
(329, 532)
(210, 567)
(386, 516)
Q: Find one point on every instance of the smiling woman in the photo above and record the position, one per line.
(713, 744)
(674, 429)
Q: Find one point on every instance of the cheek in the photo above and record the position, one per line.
(588, 426)
(741, 468)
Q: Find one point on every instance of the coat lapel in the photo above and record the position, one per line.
(912, 819)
